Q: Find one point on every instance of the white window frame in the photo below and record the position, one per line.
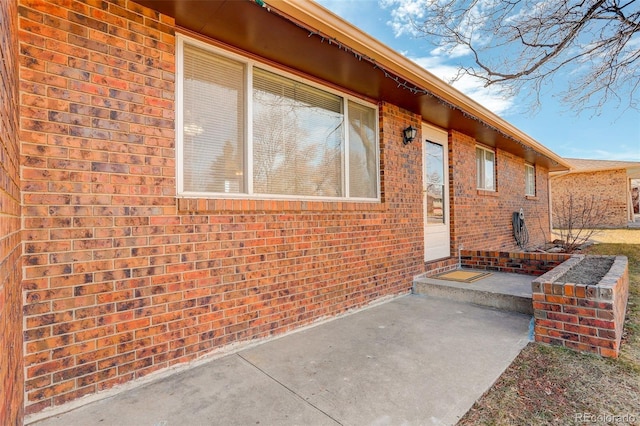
(480, 172)
(529, 184)
(181, 40)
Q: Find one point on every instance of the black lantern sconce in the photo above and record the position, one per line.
(409, 134)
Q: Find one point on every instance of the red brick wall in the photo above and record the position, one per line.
(609, 188)
(481, 220)
(11, 366)
(123, 279)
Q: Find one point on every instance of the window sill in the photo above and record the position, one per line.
(532, 197)
(202, 205)
(488, 193)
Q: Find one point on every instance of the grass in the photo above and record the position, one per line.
(617, 236)
(553, 385)
(613, 236)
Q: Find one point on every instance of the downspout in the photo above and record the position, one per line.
(550, 208)
(630, 215)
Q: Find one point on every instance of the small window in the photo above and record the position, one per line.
(485, 166)
(529, 180)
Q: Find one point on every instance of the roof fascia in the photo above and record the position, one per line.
(313, 14)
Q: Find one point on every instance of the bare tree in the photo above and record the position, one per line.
(518, 44)
(577, 219)
(363, 170)
(288, 157)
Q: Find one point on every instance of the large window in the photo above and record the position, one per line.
(485, 166)
(245, 129)
(529, 180)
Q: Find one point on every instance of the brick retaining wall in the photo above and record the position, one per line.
(519, 263)
(587, 318)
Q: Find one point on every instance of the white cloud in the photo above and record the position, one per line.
(458, 51)
(619, 153)
(407, 15)
(403, 14)
(490, 97)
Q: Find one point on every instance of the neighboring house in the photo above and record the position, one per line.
(180, 175)
(610, 184)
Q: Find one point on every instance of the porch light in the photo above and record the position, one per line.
(409, 134)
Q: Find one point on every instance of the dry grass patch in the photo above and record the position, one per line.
(612, 236)
(617, 236)
(553, 385)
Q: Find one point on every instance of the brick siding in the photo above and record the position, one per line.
(11, 364)
(609, 188)
(121, 278)
(481, 220)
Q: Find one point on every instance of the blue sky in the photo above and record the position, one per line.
(614, 134)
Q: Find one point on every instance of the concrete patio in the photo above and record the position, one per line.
(414, 360)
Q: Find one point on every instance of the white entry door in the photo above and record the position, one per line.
(436, 193)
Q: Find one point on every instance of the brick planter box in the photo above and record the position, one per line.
(587, 318)
(518, 263)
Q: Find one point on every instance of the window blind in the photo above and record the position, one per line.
(363, 148)
(213, 122)
(297, 138)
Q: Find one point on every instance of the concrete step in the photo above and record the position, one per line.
(505, 291)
